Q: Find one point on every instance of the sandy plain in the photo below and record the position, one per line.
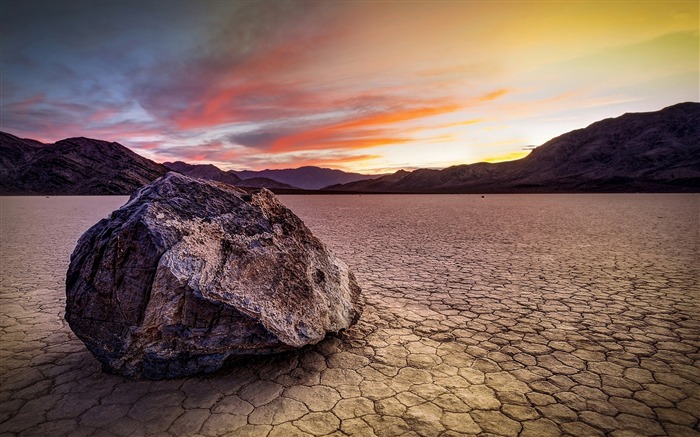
(538, 315)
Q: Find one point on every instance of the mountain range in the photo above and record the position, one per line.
(307, 178)
(651, 152)
(304, 178)
(72, 166)
(214, 173)
(647, 152)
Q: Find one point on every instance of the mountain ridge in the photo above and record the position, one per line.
(203, 171)
(78, 166)
(647, 151)
(650, 152)
(307, 177)
(214, 173)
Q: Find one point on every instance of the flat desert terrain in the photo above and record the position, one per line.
(532, 315)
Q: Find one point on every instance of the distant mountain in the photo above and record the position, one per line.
(309, 177)
(214, 173)
(203, 171)
(264, 183)
(653, 152)
(72, 166)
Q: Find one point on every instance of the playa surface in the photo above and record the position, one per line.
(504, 315)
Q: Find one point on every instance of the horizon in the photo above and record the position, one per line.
(360, 87)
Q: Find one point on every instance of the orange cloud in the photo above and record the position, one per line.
(101, 115)
(149, 145)
(250, 88)
(361, 132)
(239, 102)
(492, 95)
(333, 162)
(459, 123)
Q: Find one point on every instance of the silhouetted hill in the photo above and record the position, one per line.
(309, 177)
(268, 183)
(72, 166)
(203, 171)
(212, 172)
(653, 151)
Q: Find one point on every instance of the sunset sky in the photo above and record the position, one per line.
(368, 86)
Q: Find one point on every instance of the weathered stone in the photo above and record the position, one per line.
(189, 273)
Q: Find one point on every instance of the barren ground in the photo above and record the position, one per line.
(505, 315)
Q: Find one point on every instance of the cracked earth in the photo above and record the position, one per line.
(539, 315)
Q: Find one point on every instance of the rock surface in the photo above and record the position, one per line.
(189, 273)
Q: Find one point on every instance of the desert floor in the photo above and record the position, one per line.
(504, 315)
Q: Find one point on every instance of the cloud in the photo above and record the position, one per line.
(267, 82)
(50, 120)
(244, 71)
(259, 139)
(318, 159)
(211, 151)
(457, 72)
(493, 95)
(361, 131)
(509, 156)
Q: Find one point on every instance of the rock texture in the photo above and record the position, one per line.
(189, 273)
(648, 152)
(72, 166)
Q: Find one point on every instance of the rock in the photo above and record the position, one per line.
(189, 273)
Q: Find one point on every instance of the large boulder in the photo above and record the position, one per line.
(189, 273)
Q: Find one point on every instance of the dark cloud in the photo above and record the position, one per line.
(256, 139)
(169, 57)
(237, 73)
(209, 151)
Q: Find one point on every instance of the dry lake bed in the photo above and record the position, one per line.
(532, 315)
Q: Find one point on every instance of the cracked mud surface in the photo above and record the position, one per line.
(505, 315)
